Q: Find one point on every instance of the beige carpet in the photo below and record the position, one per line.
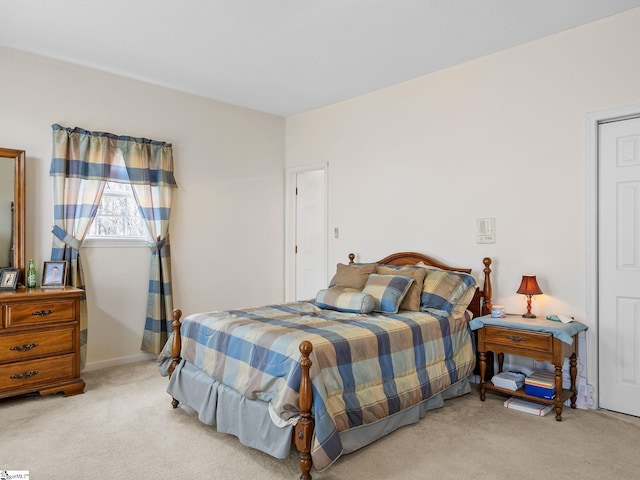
(124, 427)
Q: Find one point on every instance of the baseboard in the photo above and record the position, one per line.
(114, 362)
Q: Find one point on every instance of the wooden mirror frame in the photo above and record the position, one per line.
(18, 156)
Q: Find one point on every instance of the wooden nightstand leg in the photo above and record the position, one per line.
(500, 362)
(573, 371)
(558, 401)
(483, 370)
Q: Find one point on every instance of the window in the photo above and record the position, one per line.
(118, 216)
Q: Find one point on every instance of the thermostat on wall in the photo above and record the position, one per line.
(486, 230)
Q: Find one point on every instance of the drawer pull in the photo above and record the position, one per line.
(24, 375)
(42, 313)
(515, 338)
(24, 348)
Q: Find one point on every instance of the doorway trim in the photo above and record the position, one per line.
(290, 224)
(592, 123)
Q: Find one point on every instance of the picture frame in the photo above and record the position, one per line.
(9, 278)
(54, 274)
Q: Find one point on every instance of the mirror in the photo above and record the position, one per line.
(12, 209)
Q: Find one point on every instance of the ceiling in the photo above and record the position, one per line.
(284, 56)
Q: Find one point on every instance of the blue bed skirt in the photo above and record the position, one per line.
(216, 404)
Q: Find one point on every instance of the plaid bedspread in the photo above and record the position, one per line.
(365, 367)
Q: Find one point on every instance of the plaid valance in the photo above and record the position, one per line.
(80, 153)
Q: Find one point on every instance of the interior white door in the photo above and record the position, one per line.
(310, 232)
(619, 266)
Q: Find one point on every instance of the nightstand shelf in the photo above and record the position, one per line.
(535, 339)
(566, 394)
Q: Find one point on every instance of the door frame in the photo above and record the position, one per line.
(592, 123)
(290, 224)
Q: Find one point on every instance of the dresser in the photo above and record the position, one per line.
(40, 341)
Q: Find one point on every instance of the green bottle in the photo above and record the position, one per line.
(31, 274)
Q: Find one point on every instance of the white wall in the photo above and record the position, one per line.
(413, 166)
(227, 220)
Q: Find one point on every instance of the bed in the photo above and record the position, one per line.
(383, 344)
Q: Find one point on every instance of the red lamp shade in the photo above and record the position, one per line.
(529, 286)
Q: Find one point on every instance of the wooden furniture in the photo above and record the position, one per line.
(40, 341)
(541, 346)
(304, 429)
(12, 218)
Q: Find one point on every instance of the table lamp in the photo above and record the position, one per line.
(529, 286)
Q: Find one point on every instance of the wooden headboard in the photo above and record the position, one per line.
(481, 303)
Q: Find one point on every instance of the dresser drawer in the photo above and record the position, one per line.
(30, 313)
(510, 337)
(25, 345)
(34, 372)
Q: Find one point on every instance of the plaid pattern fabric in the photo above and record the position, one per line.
(387, 291)
(365, 367)
(81, 163)
(448, 291)
(345, 300)
(412, 299)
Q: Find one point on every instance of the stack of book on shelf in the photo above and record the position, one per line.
(528, 406)
(508, 380)
(540, 384)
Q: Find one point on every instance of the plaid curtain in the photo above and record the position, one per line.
(154, 203)
(81, 164)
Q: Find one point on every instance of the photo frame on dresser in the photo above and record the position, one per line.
(9, 278)
(54, 274)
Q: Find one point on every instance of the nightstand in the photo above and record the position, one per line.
(537, 338)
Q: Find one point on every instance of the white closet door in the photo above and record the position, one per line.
(310, 234)
(619, 266)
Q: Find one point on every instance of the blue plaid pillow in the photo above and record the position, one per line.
(447, 290)
(345, 299)
(387, 291)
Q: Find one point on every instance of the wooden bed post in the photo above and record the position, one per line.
(486, 288)
(304, 428)
(176, 347)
